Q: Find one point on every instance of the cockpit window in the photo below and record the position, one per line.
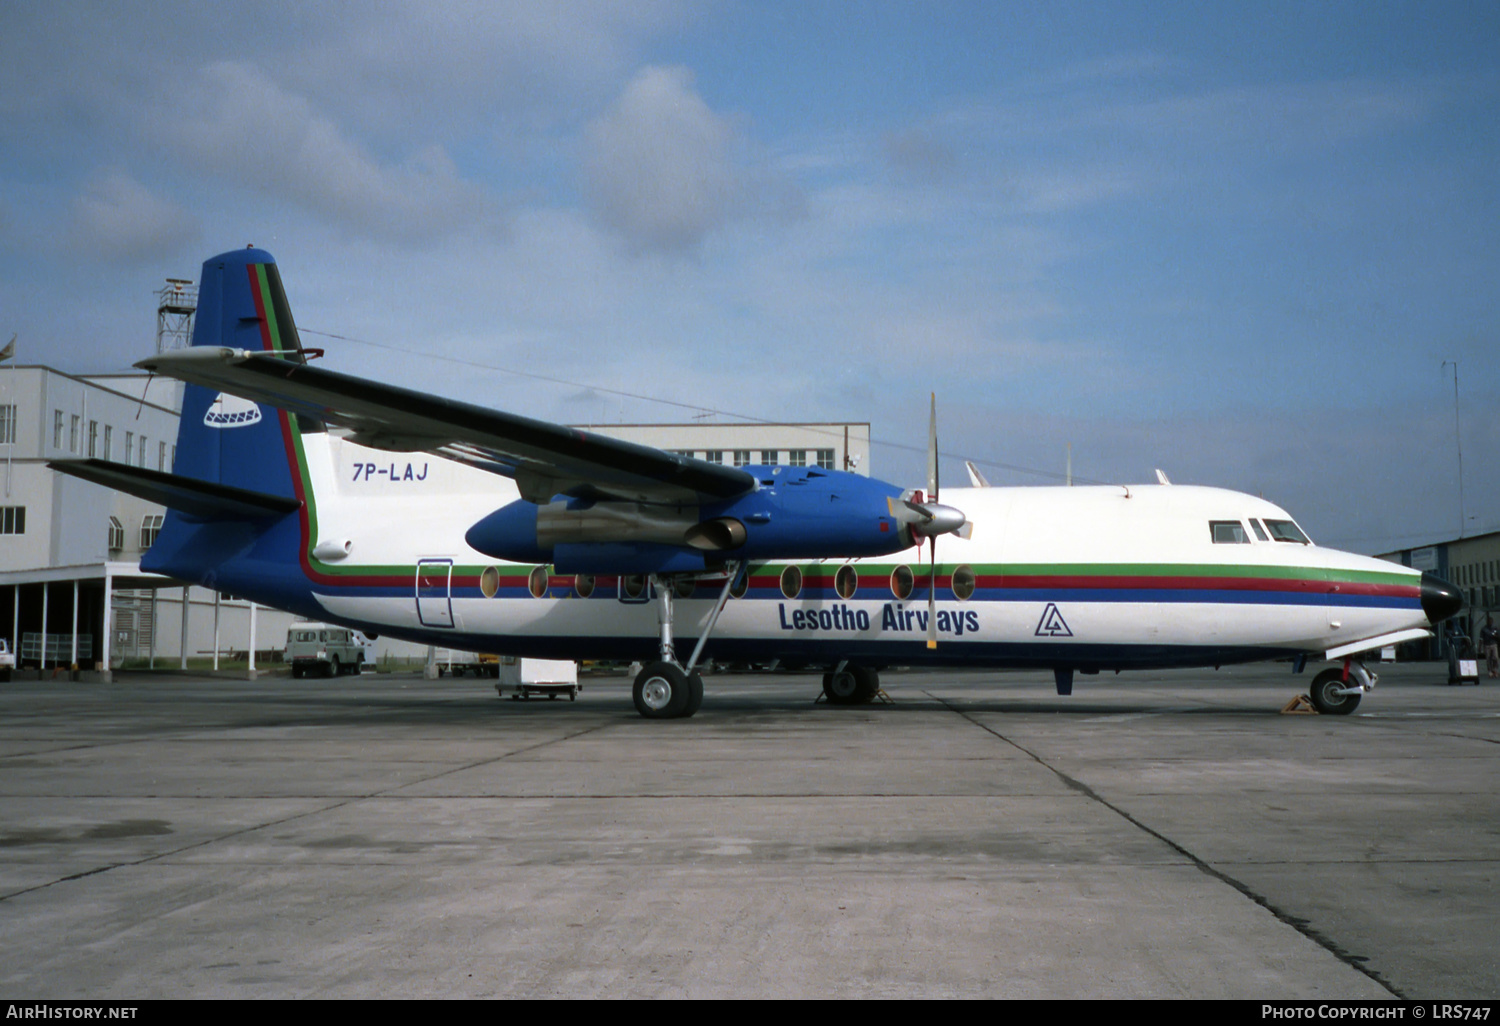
(1285, 530)
(1260, 532)
(1228, 532)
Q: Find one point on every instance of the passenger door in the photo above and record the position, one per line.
(434, 609)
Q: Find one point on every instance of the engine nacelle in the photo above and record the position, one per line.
(795, 513)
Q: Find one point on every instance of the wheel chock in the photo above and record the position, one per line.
(1299, 706)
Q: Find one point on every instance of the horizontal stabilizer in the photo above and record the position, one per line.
(185, 494)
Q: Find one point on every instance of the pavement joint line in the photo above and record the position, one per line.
(351, 800)
(1302, 926)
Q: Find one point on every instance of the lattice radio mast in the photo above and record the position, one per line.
(176, 302)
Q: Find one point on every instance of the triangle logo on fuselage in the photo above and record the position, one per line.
(1052, 624)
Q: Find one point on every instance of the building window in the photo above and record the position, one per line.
(150, 528)
(742, 457)
(129, 446)
(12, 519)
(142, 462)
(109, 437)
(825, 459)
(116, 534)
(57, 424)
(161, 455)
(797, 457)
(73, 434)
(714, 456)
(93, 438)
(768, 457)
(8, 424)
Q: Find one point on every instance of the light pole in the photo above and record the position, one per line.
(1458, 445)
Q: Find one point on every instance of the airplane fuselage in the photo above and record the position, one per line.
(1107, 577)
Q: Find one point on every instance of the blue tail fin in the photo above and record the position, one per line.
(237, 445)
(224, 439)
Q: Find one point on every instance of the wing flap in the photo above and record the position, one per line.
(545, 459)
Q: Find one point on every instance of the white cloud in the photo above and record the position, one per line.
(664, 170)
(119, 220)
(248, 129)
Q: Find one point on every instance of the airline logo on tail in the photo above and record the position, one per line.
(230, 411)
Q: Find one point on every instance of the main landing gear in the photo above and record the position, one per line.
(664, 690)
(1337, 690)
(850, 684)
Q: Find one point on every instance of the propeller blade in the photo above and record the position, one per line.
(932, 452)
(932, 595)
(924, 513)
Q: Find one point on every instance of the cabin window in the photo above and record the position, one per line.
(633, 586)
(963, 582)
(846, 581)
(1228, 532)
(583, 585)
(489, 581)
(1286, 531)
(791, 582)
(1260, 532)
(683, 587)
(538, 581)
(902, 582)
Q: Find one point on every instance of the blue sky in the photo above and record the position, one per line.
(1235, 241)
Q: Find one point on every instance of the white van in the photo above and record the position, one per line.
(323, 650)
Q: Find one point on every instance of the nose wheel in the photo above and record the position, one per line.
(1337, 691)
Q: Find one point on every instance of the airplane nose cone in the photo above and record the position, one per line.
(1440, 599)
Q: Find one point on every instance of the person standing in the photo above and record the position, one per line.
(1489, 637)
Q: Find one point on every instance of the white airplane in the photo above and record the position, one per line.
(401, 513)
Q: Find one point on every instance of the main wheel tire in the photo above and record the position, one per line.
(853, 685)
(842, 687)
(1325, 697)
(661, 692)
(695, 694)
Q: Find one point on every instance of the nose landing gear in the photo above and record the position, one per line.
(1337, 690)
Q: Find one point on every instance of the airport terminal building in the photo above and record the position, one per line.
(1472, 565)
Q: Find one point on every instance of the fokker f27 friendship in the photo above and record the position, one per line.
(401, 513)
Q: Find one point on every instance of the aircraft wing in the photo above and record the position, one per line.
(544, 459)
